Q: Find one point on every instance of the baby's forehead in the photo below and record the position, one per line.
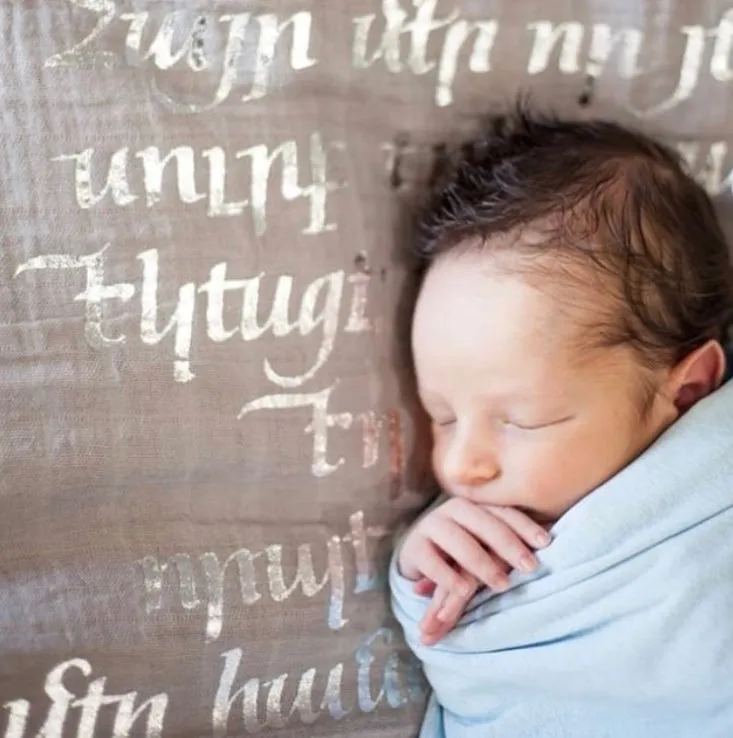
(571, 284)
(482, 334)
(470, 299)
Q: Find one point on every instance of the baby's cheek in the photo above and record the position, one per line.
(568, 476)
(544, 478)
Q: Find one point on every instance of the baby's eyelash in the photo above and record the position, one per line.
(520, 426)
(539, 426)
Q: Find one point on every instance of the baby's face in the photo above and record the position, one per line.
(521, 416)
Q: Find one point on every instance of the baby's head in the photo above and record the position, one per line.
(576, 294)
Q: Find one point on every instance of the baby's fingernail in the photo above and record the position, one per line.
(527, 563)
(543, 539)
(443, 615)
(501, 584)
(464, 589)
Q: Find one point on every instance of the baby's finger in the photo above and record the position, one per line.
(437, 632)
(495, 534)
(442, 618)
(434, 567)
(526, 528)
(454, 605)
(430, 622)
(453, 539)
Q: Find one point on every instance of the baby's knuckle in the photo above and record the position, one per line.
(472, 580)
(489, 572)
(519, 551)
(427, 526)
(471, 584)
(458, 583)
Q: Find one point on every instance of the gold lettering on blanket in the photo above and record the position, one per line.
(94, 293)
(358, 320)
(322, 421)
(710, 163)
(318, 312)
(381, 41)
(82, 54)
(373, 426)
(265, 306)
(262, 704)
(151, 40)
(571, 47)
(572, 36)
(74, 700)
(87, 707)
(199, 583)
(132, 175)
(404, 37)
(588, 50)
(720, 59)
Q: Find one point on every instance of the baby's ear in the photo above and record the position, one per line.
(697, 375)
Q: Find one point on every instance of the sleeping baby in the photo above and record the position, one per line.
(575, 578)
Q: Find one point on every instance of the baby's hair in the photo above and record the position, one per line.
(592, 194)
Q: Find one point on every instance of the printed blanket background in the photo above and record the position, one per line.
(207, 435)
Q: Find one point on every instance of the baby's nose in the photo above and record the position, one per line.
(470, 465)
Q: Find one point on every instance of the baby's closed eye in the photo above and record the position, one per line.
(535, 424)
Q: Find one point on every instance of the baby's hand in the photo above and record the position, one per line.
(476, 538)
(444, 611)
(458, 547)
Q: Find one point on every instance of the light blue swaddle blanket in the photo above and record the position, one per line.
(626, 628)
